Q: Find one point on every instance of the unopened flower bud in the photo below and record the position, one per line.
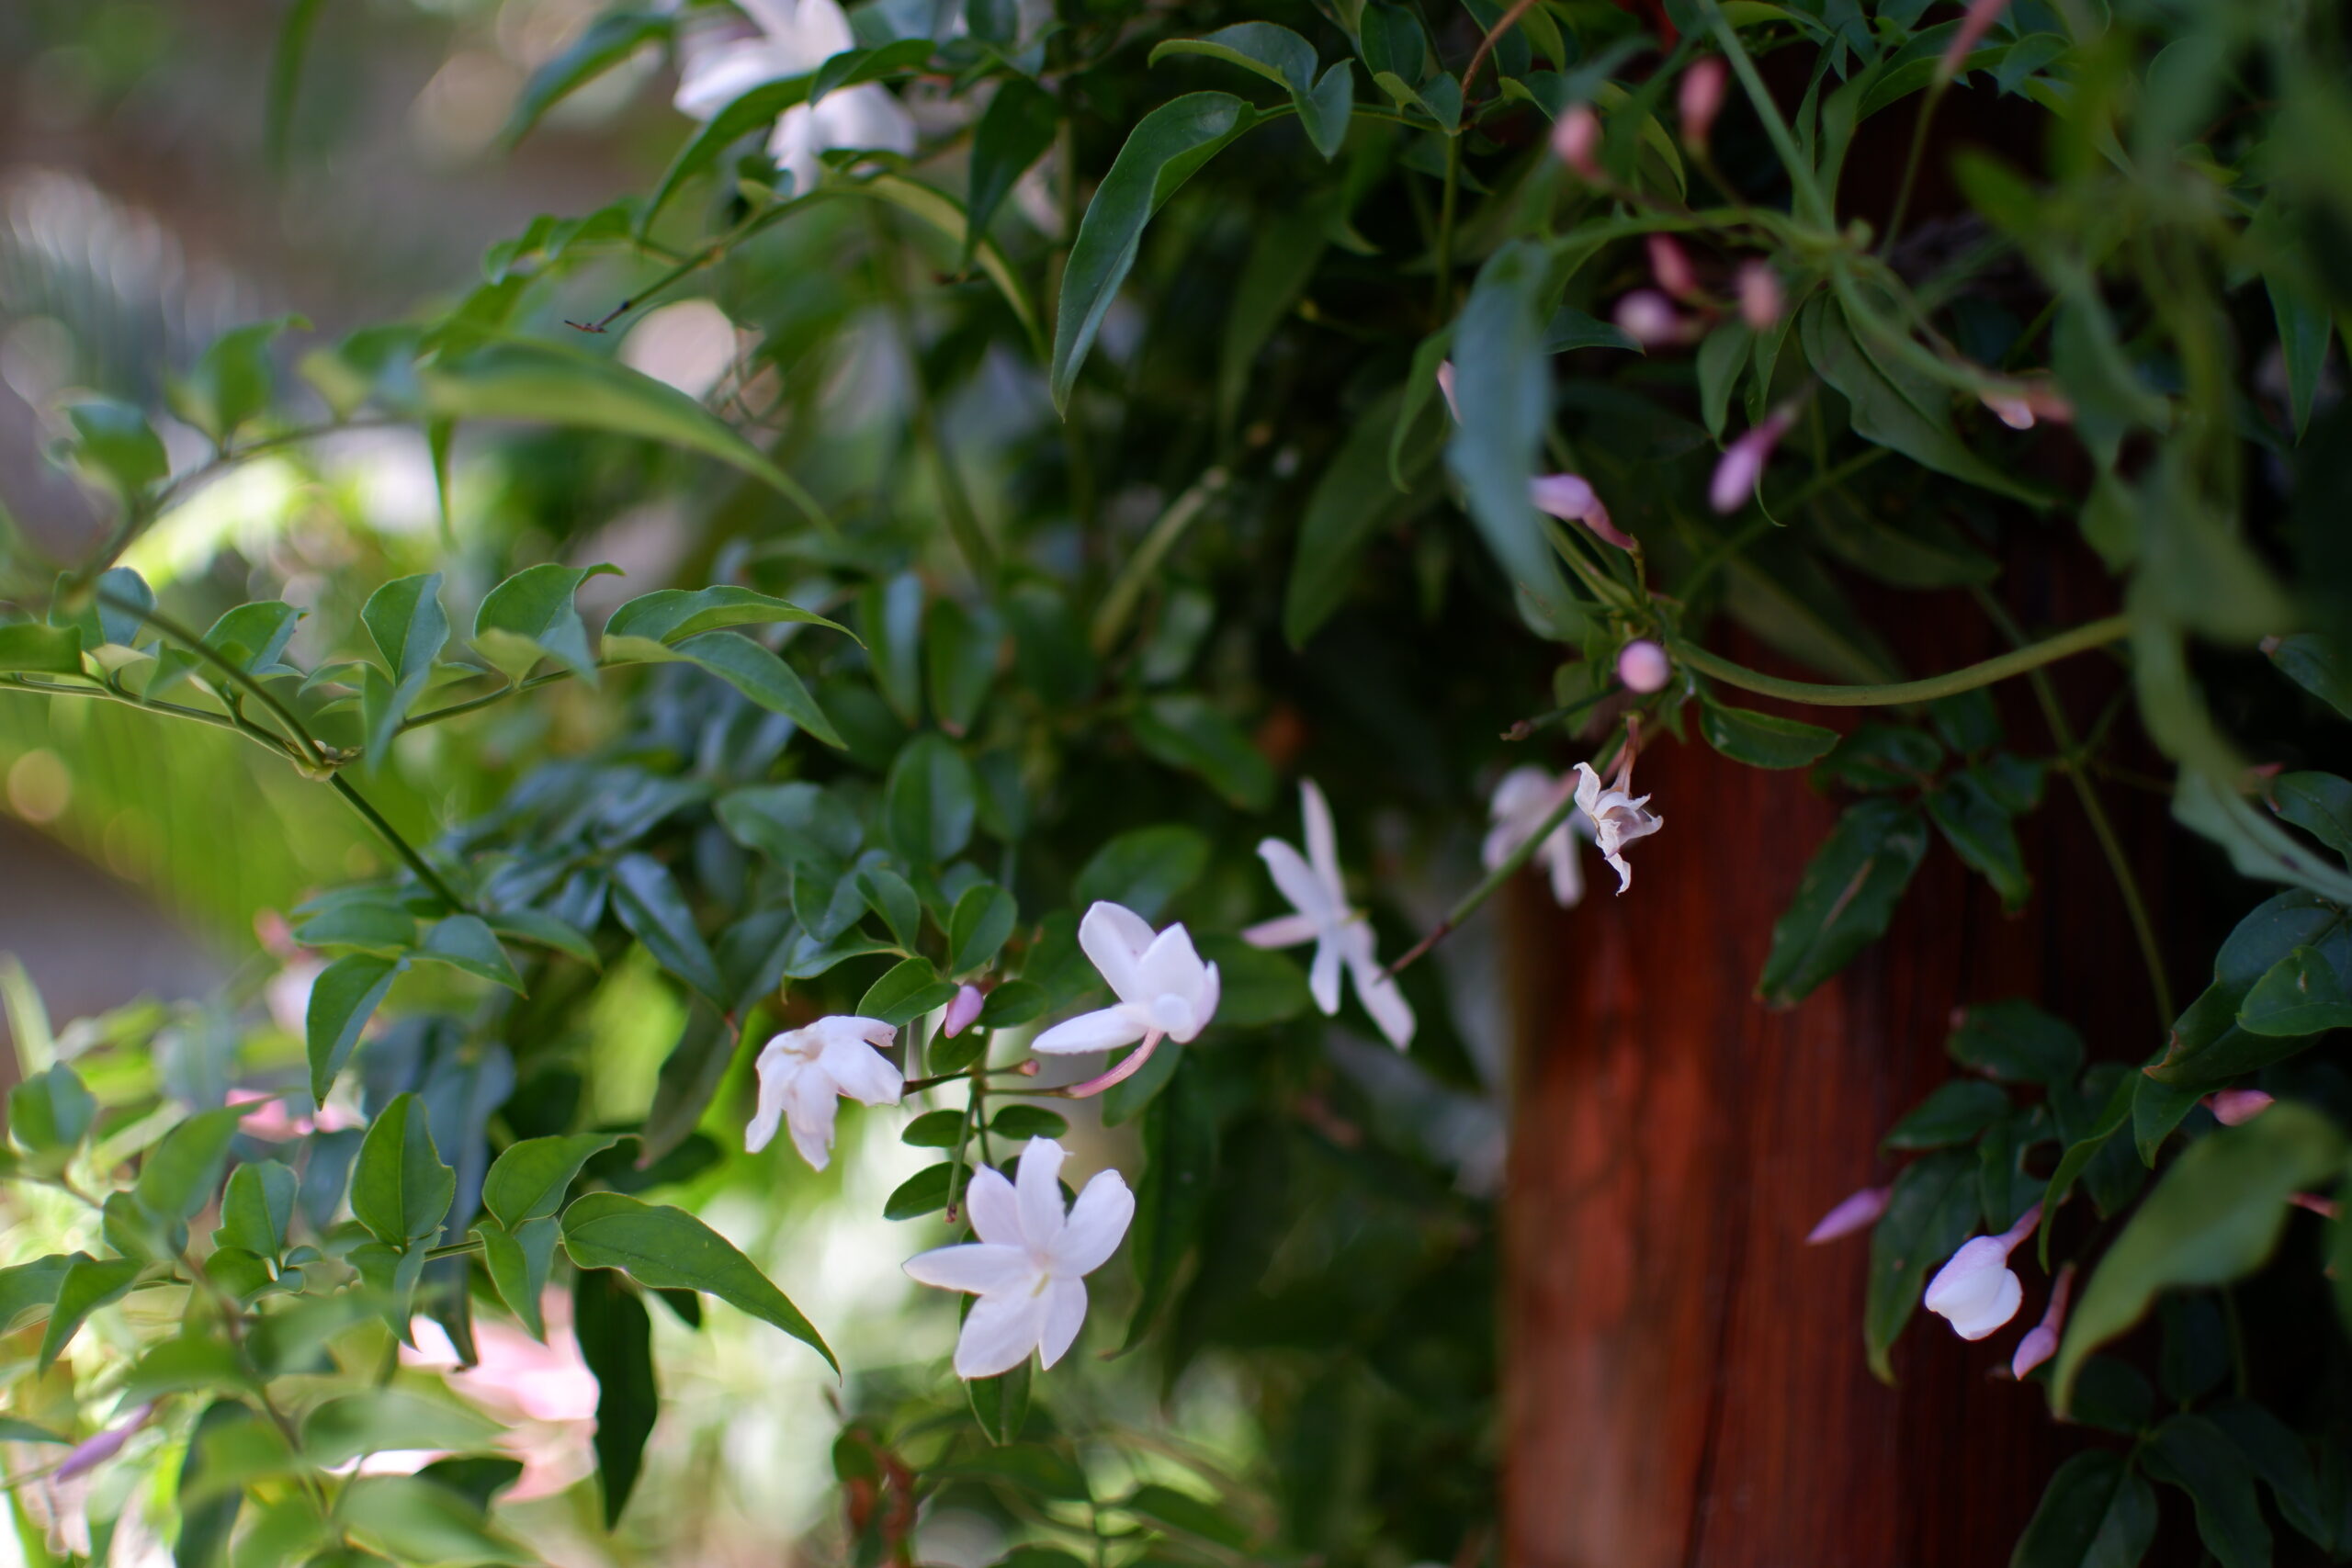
(962, 1011)
(1571, 498)
(1670, 267)
(1650, 319)
(1858, 1212)
(1446, 385)
(2324, 1207)
(1698, 96)
(1643, 667)
(1761, 298)
(1742, 464)
(1977, 1291)
(1574, 140)
(2040, 1341)
(2235, 1107)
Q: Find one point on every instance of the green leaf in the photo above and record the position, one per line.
(258, 1209)
(86, 1284)
(51, 1111)
(233, 381)
(1932, 1209)
(28, 648)
(1172, 1198)
(527, 1181)
(1846, 897)
(116, 444)
(532, 616)
(206, 1515)
(890, 615)
(2214, 1217)
(519, 1263)
(1502, 382)
(670, 615)
(2017, 1042)
(2191, 1453)
(610, 40)
(891, 897)
(180, 1174)
(999, 1404)
(2320, 804)
(1879, 756)
(1164, 150)
(1763, 739)
(1186, 1514)
(1013, 133)
(342, 1000)
(982, 919)
(1022, 1122)
(789, 821)
(1256, 987)
(1288, 60)
(401, 1190)
(2305, 993)
(759, 108)
(1015, 1002)
(385, 929)
(650, 903)
(1980, 830)
(415, 1521)
(1289, 246)
(27, 1287)
(924, 1192)
(465, 942)
(542, 930)
(2308, 660)
(1184, 731)
(1355, 499)
(668, 1248)
(1144, 869)
(183, 1364)
(906, 991)
(929, 801)
(960, 654)
(340, 1429)
(1955, 1113)
(2206, 1044)
(518, 379)
(689, 1078)
(410, 628)
(934, 1130)
(853, 66)
(2096, 1513)
(1881, 411)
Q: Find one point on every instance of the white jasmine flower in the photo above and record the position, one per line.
(1341, 935)
(1617, 815)
(795, 37)
(1163, 987)
(803, 1072)
(1524, 801)
(1976, 1291)
(1029, 1266)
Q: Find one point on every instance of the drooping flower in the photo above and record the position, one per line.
(1743, 461)
(1670, 267)
(962, 1011)
(1857, 1211)
(1320, 914)
(1650, 319)
(1976, 1291)
(1572, 499)
(2040, 1341)
(1698, 97)
(1575, 138)
(1524, 801)
(1618, 817)
(1643, 667)
(1029, 1266)
(795, 37)
(804, 1073)
(2236, 1106)
(1761, 297)
(1163, 989)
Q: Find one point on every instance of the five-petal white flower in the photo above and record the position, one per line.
(1029, 1266)
(1319, 898)
(1524, 801)
(1617, 815)
(795, 37)
(803, 1072)
(1976, 1291)
(1163, 987)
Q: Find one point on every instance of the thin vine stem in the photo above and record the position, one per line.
(406, 851)
(2033, 656)
(294, 728)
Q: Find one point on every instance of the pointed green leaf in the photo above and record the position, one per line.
(401, 1189)
(1848, 894)
(88, 1284)
(410, 628)
(342, 1000)
(650, 903)
(465, 942)
(532, 616)
(668, 1248)
(528, 1180)
(1763, 739)
(520, 1262)
(1013, 133)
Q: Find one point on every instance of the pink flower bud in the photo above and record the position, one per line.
(92, 1452)
(1671, 266)
(1650, 319)
(1858, 1212)
(2324, 1207)
(2040, 1341)
(1574, 140)
(1643, 667)
(1742, 464)
(1761, 299)
(1982, 15)
(1698, 96)
(1446, 385)
(2011, 409)
(2235, 1107)
(1571, 499)
(1976, 1292)
(962, 1011)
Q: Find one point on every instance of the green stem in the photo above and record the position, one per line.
(1442, 290)
(963, 521)
(473, 705)
(1119, 603)
(295, 729)
(391, 835)
(1802, 182)
(2081, 640)
(1911, 163)
(170, 710)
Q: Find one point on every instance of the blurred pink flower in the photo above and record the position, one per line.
(2021, 406)
(2324, 1208)
(1761, 298)
(1857, 1212)
(545, 1393)
(2040, 1341)
(1650, 319)
(274, 1123)
(1574, 140)
(1742, 464)
(1570, 498)
(1976, 1291)
(1670, 267)
(2235, 1107)
(1642, 666)
(287, 993)
(1524, 801)
(1446, 385)
(1698, 96)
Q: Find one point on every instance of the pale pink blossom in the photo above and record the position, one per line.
(1741, 466)
(1670, 267)
(1976, 1291)
(2324, 1207)
(1761, 298)
(1982, 15)
(1030, 1264)
(1575, 138)
(1446, 385)
(1643, 667)
(2019, 406)
(2235, 1107)
(804, 1073)
(274, 1123)
(1857, 1211)
(1163, 990)
(1650, 319)
(1618, 817)
(287, 993)
(962, 1011)
(1524, 801)
(1571, 498)
(1320, 914)
(1699, 98)
(543, 1392)
(2040, 1341)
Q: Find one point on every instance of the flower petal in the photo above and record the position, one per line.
(1323, 976)
(976, 1267)
(1559, 856)
(1097, 1222)
(1037, 1183)
(1282, 931)
(1380, 994)
(1171, 966)
(999, 1334)
(1297, 881)
(1104, 1029)
(776, 1069)
(1322, 841)
(809, 1107)
(991, 1207)
(1065, 1315)
(1113, 938)
(860, 1072)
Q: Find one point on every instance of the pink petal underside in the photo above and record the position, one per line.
(1113, 937)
